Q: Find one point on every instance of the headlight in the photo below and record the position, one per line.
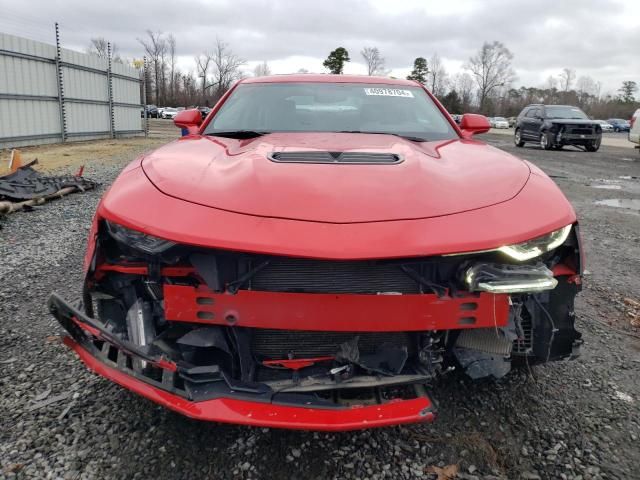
(497, 278)
(537, 246)
(138, 240)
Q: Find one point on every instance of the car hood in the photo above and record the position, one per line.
(433, 179)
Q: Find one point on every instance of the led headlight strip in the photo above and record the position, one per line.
(537, 246)
(530, 249)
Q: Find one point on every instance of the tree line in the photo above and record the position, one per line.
(484, 86)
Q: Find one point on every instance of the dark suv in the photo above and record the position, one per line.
(554, 126)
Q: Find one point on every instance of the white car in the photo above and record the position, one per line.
(500, 122)
(606, 126)
(169, 112)
(634, 132)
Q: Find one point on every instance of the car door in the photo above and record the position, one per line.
(528, 124)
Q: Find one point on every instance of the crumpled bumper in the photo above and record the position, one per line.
(226, 409)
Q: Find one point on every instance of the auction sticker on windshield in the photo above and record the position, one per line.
(388, 92)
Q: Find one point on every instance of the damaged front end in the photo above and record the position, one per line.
(314, 344)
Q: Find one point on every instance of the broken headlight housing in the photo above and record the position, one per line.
(535, 247)
(138, 240)
(497, 278)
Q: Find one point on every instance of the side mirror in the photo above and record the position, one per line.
(189, 119)
(472, 124)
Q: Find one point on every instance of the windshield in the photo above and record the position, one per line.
(500, 119)
(562, 111)
(332, 107)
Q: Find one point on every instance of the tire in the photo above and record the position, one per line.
(594, 145)
(616, 129)
(517, 138)
(546, 141)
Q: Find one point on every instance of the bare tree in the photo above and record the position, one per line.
(226, 67)
(463, 85)
(262, 70)
(155, 47)
(567, 76)
(374, 60)
(437, 76)
(171, 47)
(552, 82)
(491, 68)
(203, 63)
(303, 70)
(99, 47)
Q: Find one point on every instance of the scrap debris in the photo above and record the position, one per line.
(48, 401)
(25, 187)
(448, 472)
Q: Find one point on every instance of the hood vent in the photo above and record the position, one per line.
(349, 158)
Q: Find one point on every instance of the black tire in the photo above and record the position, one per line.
(594, 145)
(517, 138)
(616, 129)
(546, 141)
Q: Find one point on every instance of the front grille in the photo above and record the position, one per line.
(278, 344)
(366, 158)
(579, 130)
(317, 276)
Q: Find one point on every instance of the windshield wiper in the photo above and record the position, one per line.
(240, 134)
(406, 137)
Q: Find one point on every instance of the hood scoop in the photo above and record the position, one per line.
(348, 158)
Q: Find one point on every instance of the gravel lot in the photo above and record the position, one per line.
(570, 420)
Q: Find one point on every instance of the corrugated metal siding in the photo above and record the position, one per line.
(32, 121)
(125, 91)
(29, 117)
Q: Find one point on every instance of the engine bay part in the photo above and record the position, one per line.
(206, 325)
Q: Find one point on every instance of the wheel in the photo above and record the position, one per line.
(557, 147)
(546, 141)
(594, 145)
(616, 129)
(517, 138)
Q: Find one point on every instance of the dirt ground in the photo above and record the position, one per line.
(574, 420)
(68, 157)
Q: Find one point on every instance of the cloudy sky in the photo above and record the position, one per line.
(600, 38)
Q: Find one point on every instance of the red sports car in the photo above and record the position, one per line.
(316, 252)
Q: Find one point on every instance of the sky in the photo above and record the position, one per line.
(600, 39)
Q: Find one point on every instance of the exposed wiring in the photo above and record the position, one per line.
(553, 326)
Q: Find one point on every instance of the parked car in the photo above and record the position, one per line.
(265, 270)
(512, 121)
(619, 124)
(152, 111)
(500, 122)
(169, 112)
(605, 126)
(456, 118)
(554, 126)
(634, 131)
(491, 121)
(204, 111)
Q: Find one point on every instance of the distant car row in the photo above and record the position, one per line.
(169, 112)
(611, 125)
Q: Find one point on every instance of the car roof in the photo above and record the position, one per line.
(329, 78)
